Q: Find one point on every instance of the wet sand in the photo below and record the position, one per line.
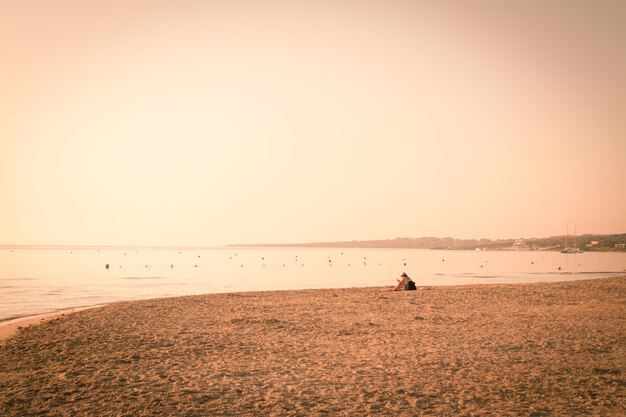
(10, 327)
(524, 349)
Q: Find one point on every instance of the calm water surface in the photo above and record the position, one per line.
(35, 281)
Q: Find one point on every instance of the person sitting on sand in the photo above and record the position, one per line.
(405, 283)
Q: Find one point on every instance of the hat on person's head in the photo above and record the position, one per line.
(404, 274)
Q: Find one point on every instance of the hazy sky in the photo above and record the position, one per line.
(219, 122)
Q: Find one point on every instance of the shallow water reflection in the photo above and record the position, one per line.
(34, 281)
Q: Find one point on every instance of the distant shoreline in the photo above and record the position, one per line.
(615, 242)
(586, 243)
(111, 247)
(329, 246)
(365, 246)
(279, 246)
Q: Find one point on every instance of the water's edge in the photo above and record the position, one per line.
(8, 327)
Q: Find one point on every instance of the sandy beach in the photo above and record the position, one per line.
(524, 349)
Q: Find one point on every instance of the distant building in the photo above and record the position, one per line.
(620, 246)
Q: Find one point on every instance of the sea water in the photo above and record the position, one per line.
(38, 280)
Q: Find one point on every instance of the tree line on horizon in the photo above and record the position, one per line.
(587, 242)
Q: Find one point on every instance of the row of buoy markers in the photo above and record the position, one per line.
(107, 266)
(365, 257)
(443, 260)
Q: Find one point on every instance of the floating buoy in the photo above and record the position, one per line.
(106, 266)
(171, 265)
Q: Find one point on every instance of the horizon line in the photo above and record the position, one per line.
(135, 246)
